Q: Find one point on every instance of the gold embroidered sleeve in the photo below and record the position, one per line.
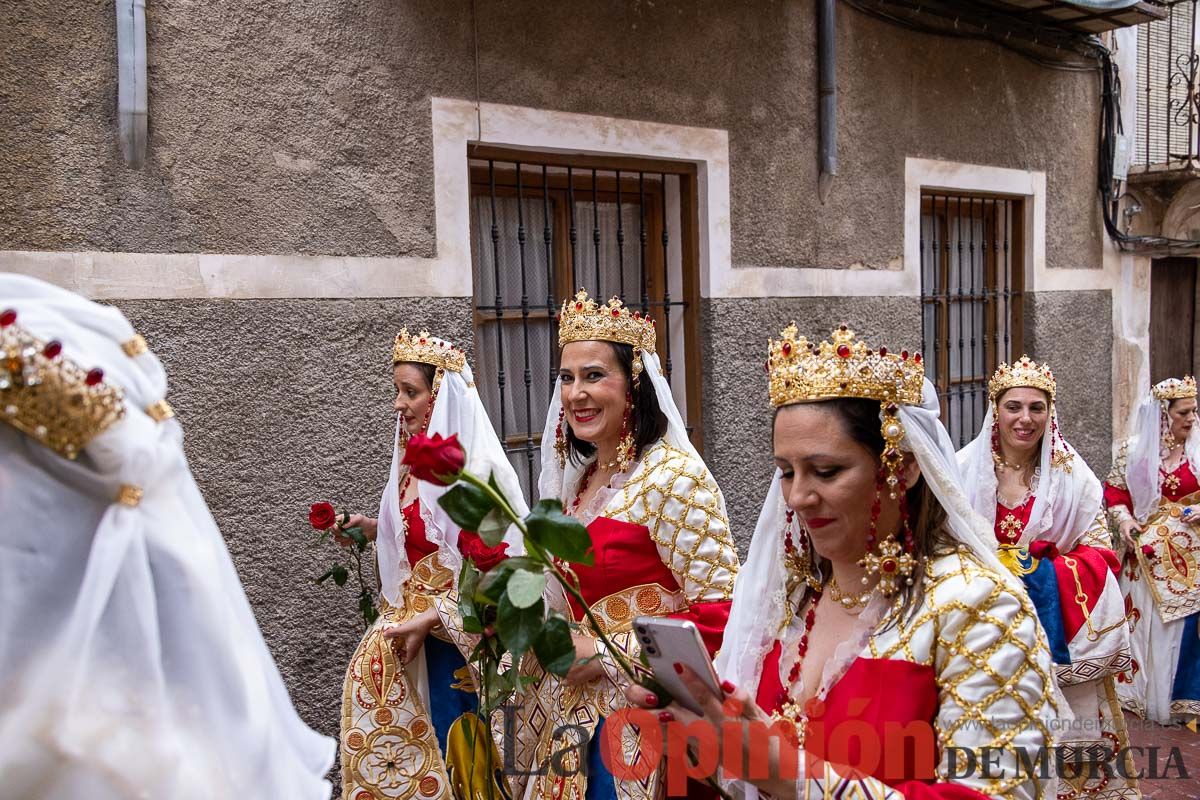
(1116, 475)
(677, 499)
(1097, 534)
(994, 678)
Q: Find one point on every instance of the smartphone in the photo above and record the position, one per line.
(667, 642)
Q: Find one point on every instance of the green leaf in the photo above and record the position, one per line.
(468, 580)
(518, 627)
(558, 533)
(467, 505)
(357, 536)
(340, 574)
(366, 606)
(554, 647)
(492, 527)
(493, 584)
(525, 588)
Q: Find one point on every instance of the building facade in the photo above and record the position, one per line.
(316, 176)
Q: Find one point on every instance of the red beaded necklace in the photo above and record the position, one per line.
(802, 648)
(583, 484)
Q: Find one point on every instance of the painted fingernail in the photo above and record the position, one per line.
(665, 716)
(651, 698)
(728, 687)
(678, 667)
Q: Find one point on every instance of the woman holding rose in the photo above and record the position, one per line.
(409, 725)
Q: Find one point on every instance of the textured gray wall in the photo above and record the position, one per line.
(283, 127)
(737, 414)
(284, 403)
(1073, 331)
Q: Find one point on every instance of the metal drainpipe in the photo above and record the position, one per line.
(827, 95)
(131, 80)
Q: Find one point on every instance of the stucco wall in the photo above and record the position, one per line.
(284, 403)
(1073, 331)
(281, 127)
(737, 413)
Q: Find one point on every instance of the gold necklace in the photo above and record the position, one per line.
(1002, 464)
(849, 602)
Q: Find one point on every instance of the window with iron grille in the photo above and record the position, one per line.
(1167, 112)
(544, 226)
(972, 278)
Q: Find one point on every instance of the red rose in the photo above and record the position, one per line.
(322, 516)
(434, 459)
(1148, 550)
(484, 557)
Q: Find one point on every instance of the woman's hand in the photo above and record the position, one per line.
(590, 669)
(733, 707)
(369, 525)
(408, 637)
(1127, 528)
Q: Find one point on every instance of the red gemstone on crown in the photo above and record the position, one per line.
(7, 317)
(422, 341)
(52, 349)
(787, 348)
(917, 358)
(94, 376)
(883, 351)
(904, 355)
(579, 306)
(843, 351)
(841, 327)
(888, 565)
(616, 312)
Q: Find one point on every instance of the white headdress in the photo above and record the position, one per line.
(1149, 431)
(1068, 495)
(456, 410)
(130, 661)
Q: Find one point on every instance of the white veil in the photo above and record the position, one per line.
(759, 597)
(1143, 474)
(457, 409)
(1066, 502)
(130, 661)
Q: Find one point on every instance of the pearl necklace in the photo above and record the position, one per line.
(850, 602)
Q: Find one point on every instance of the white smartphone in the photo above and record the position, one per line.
(667, 642)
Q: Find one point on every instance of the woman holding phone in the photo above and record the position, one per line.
(873, 626)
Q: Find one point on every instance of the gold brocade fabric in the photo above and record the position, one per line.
(1173, 570)
(389, 748)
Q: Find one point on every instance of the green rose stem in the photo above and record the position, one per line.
(559, 575)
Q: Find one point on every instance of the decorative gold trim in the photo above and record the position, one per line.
(1022, 373)
(129, 495)
(135, 346)
(160, 411)
(616, 611)
(427, 349)
(585, 320)
(1175, 389)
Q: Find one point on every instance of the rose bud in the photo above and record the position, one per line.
(434, 459)
(1147, 550)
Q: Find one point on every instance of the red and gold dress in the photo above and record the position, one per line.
(662, 547)
(1161, 580)
(407, 731)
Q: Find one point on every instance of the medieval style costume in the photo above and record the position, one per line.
(662, 546)
(1056, 540)
(1160, 576)
(961, 666)
(412, 731)
(131, 665)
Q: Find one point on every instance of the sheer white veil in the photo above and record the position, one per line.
(1067, 498)
(457, 409)
(131, 664)
(759, 597)
(1150, 424)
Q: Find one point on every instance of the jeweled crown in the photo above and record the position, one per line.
(1175, 388)
(1022, 373)
(49, 396)
(584, 320)
(802, 371)
(428, 349)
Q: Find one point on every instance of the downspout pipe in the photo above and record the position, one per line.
(827, 95)
(131, 80)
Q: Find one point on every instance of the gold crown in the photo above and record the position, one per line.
(803, 371)
(1175, 389)
(49, 396)
(1022, 373)
(582, 320)
(428, 350)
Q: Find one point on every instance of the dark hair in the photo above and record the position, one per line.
(649, 422)
(428, 370)
(926, 517)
